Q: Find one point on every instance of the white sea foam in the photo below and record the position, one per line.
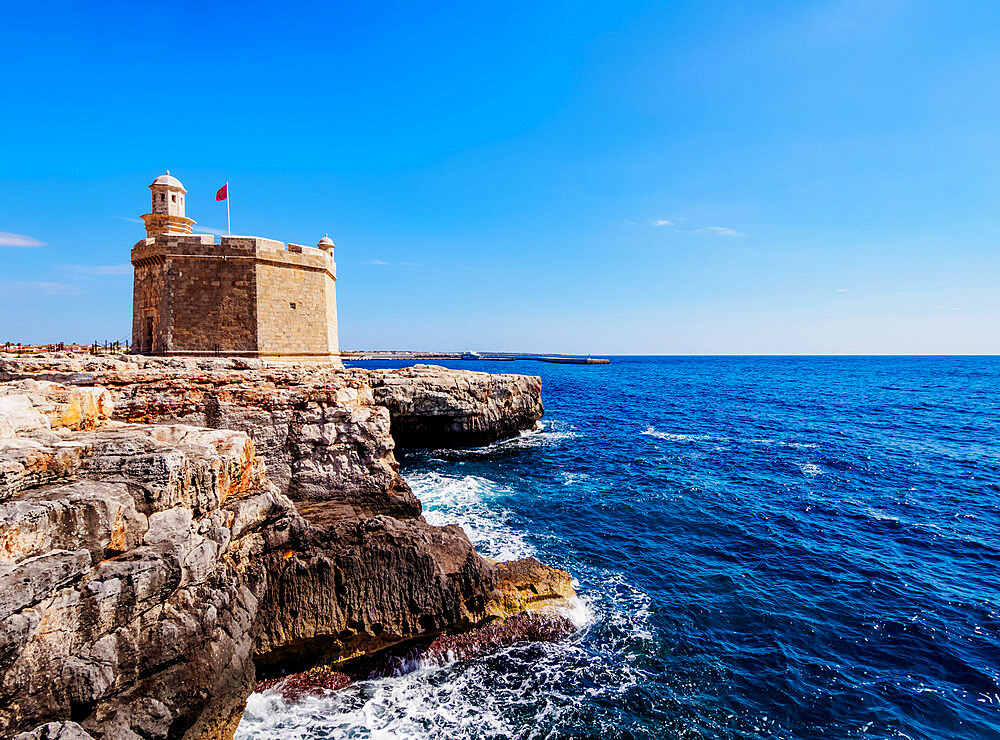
(471, 502)
(545, 434)
(628, 609)
(810, 469)
(579, 611)
(651, 431)
(781, 443)
(881, 515)
(510, 693)
(573, 479)
(431, 703)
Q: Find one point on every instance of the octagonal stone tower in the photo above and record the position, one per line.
(246, 296)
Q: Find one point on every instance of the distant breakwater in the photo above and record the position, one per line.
(405, 355)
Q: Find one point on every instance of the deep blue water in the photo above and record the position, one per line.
(765, 547)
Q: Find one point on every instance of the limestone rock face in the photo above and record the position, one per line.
(434, 407)
(167, 535)
(326, 443)
(30, 404)
(56, 731)
(528, 585)
(130, 575)
(326, 434)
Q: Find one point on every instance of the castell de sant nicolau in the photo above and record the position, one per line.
(245, 296)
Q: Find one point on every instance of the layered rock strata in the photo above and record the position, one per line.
(432, 407)
(169, 531)
(326, 434)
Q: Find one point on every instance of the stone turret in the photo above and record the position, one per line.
(167, 213)
(326, 245)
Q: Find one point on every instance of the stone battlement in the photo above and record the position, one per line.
(179, 246)
(244, 296)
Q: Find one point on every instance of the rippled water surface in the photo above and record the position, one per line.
(766, 548)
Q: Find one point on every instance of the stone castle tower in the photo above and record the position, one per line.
(245, 296)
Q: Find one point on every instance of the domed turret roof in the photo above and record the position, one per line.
(326, 241)
(169, 180)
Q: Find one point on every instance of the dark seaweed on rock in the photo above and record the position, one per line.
(518, 628)
(318, 680)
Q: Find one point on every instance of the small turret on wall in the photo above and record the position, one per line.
(167, 213)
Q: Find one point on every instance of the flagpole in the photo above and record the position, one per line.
(229, 223)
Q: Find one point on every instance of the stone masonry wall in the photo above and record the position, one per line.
(331, 312)
(292, 307)
(213, 304)
(147, 300)
(247, 296)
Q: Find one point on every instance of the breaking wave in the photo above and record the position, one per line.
(470, 501)
(513, 692)
(546, 434)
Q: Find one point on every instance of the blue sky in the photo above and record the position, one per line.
(626, 177)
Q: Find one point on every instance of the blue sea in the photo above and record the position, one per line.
(764, 548)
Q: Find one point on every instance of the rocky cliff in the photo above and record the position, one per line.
(171, 530)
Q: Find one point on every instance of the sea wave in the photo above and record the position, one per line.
(481, 700)
(470, 501)
(510, 693)
(574, 479)
(544, 434)
(651, 431)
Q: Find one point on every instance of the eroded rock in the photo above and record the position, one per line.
(434, 407)
(149, 566)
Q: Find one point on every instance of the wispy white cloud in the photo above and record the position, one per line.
(841, 290)
(100, 269)
(129, 219)
(720, 231)
(18, 240)
(374, 262)
(662, 222)
(39, 286)
(210, 230)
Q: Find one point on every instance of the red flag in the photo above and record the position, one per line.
(223, 192)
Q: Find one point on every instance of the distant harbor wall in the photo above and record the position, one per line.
(405, 355)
